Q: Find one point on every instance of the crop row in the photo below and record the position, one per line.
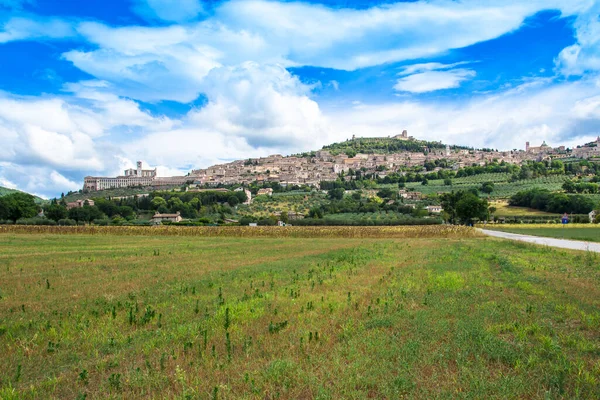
(260, 231)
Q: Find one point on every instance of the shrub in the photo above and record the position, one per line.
(67, 222)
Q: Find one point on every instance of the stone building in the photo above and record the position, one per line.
(158, 218)
(132, 178)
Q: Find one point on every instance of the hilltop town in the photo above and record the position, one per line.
(379, 156)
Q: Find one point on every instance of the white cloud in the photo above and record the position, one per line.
(65, 135)
(566, 113)
(170, 63)
(263, 104)
(167, 10)
(38, 180)
(253, 110)
(583, 56)
(432, 66)
(28, 29)
(422, 78)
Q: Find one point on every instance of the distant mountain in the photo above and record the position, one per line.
(6, 191)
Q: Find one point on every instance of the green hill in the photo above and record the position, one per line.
(6, 191)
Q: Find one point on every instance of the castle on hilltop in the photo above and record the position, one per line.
(402, 136)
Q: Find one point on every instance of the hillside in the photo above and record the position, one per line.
(6, 191)
(383, 146)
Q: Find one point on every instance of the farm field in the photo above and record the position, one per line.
(585, 232)
(129, 316)
(504, 210)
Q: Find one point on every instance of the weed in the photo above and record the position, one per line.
(114, 380)
(83, 377)
(276, 327)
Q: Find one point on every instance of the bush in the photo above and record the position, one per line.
(67, 222)
(35, 221)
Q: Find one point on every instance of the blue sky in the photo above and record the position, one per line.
(89, 87)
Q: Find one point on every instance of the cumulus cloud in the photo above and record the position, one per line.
(64, 135)
(157, 63)
(583, 56)
(252, 110)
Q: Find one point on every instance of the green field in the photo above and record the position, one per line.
(588, 233)
(504, 210)
(224, 318)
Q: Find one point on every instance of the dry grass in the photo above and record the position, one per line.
(419, 231)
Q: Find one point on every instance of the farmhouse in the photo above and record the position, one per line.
(434, 209)
(266, 192)
(80, 203)
(166, 217)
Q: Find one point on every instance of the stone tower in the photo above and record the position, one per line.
(527, 146)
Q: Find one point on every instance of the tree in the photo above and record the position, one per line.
(350, 153)
(448, 182)
(569, 186)
(233, 200)
(487, 187)
(157, 202)
(284, 217)
(386, 193)
(247, 220)
(55, 212)
(18, 205)
(464, 206)
(336, 194)
(471, 207)
(315, 212)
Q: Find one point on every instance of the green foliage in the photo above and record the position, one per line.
(464, 207)
(381, 146)
(544, 200)
(18, 205)
(55, 211)
(336, 194)
(487, 187)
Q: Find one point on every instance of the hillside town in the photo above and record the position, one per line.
(324, 165)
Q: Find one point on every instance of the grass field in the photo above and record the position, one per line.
(190, 317)
(504, 210)
(586, 232)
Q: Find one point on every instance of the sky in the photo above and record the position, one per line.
(90, 87)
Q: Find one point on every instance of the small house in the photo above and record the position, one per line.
(80, 203)
(266, 192)
(157, 218)
(434, 209)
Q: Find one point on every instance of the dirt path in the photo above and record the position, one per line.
(546, 241)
